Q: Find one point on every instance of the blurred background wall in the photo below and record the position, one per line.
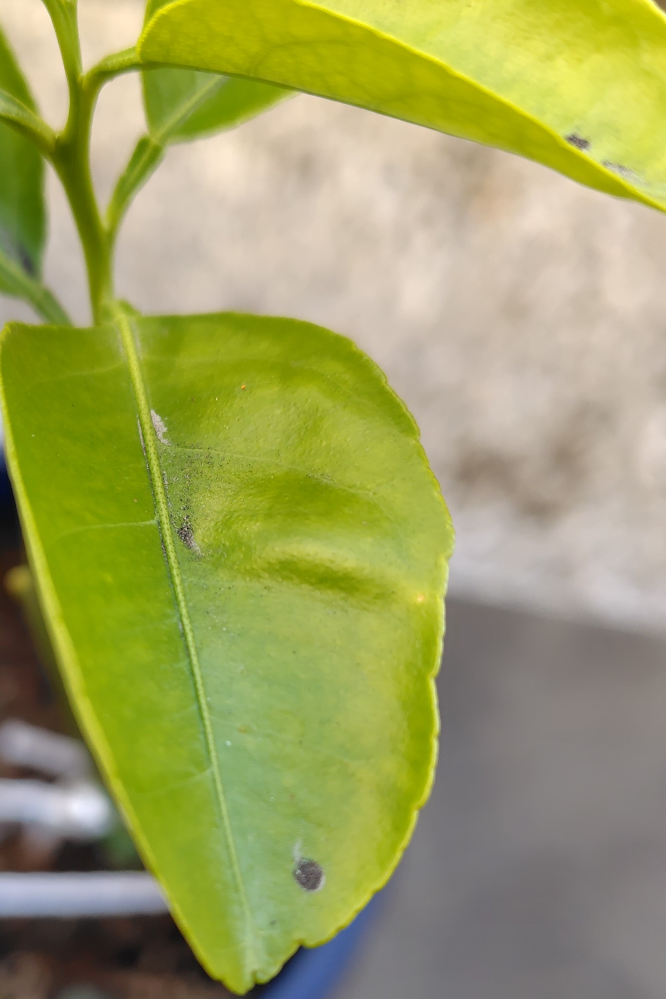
(523, 320)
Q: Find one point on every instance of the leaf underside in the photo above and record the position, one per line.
(22, 213)
(183, 104)
(579, 86)
(246, 598)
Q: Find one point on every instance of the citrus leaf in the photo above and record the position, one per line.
(241, 553)
(578, 86)
(21, 119)
(22, 211)
(185, 104)
(143, 162)
(15, 281)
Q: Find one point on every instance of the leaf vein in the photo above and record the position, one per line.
(164, 520)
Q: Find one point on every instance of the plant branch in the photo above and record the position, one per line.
(70, 154)
(72, 164)
(71, 157)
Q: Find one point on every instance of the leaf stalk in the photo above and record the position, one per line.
(69, 151)
(71, 161)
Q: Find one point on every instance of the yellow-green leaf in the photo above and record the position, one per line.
(185, 104)
(241, 553)
(579, 85)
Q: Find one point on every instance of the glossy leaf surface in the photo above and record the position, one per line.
(578, 86)
(247, 602)
(22, 214)
(186, 104)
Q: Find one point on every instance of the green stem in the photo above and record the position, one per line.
(72, 163)
(71, 153)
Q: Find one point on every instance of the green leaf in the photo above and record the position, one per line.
(15, 281)
(578, 86)
(21, 119)
(145, 159)
(184, 104)
(241, 553)
(22, 212)
(64, 15)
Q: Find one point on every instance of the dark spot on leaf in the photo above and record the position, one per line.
(623, 171)
(309, 875)
(27, 263)
(16, 251)
(186, 535)
(578, 141)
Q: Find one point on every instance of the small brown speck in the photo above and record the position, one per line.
(242, 386)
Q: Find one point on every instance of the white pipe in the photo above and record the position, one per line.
(37, 748)
(73, 895)
(72, 811)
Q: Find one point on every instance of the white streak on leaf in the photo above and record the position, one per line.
(160, 427)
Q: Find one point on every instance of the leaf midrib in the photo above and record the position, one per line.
(164, 522)
(185, 109)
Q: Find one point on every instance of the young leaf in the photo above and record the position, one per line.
(245, 592)
(578, 86)
(145, 159)
(185, 104)
(15, 281)
(181, 105)
(22, 213)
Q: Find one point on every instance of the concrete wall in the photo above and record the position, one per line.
(521, 317)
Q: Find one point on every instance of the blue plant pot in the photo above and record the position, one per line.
(313, 974)
(5, 485)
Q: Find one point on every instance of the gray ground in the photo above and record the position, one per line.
(538, 870)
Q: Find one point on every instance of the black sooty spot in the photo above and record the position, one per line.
(186, 535)
(578, 141)
(14, 249)
(309, 875)
(27, 263)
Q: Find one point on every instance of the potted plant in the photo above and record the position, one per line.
(240, 551)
